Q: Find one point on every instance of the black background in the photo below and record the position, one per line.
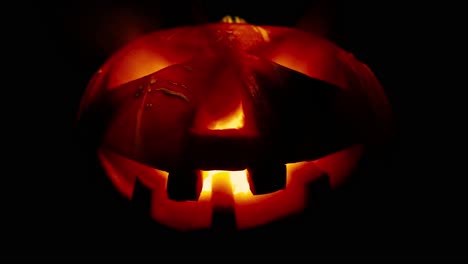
(406, 201)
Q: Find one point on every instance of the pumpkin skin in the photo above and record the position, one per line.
(309, 108)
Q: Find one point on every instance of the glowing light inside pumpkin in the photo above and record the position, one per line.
(236, 179)
(233, 121)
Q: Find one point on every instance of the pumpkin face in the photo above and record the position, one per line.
(231, 116)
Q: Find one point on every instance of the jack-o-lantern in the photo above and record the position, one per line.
(231, 116)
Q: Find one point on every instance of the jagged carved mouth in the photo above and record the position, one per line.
(225, 197)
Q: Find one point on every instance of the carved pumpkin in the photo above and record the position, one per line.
(231, 116)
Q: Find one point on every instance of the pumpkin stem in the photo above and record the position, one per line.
(230, 19)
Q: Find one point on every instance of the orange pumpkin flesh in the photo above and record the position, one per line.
(210, 83)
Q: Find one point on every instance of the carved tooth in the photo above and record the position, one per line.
(267, 177)
(184, 185)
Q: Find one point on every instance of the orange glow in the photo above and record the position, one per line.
(189, 57)
(233, 121)
(237, 180)
(250, 210)
(136, 64)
